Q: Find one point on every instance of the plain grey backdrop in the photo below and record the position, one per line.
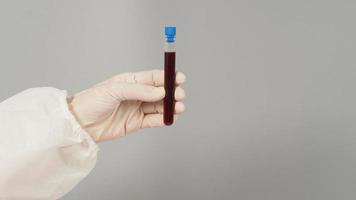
(271, 102)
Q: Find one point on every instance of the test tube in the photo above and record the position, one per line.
(169, 75)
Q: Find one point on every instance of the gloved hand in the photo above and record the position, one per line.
(123, 104)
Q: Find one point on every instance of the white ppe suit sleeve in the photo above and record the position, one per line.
(44, 152)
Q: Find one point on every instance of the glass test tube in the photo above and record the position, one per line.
(169, 75)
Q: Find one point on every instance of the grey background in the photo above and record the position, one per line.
(271, 105)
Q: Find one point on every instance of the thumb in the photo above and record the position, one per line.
(135, 91)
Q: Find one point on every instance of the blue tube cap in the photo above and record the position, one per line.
(170, 32)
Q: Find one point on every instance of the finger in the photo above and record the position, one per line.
(152, 77)
(179, 94)
(180, 78)
(132, 91)
(157, 107)
(152, 107)
(179, 107)
(154, 120)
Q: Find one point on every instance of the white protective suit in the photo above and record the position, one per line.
(44, 152)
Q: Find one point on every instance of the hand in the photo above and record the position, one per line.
(123, 104)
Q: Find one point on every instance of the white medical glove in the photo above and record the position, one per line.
(123, 104)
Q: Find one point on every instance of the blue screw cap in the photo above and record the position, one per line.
(170, 32)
